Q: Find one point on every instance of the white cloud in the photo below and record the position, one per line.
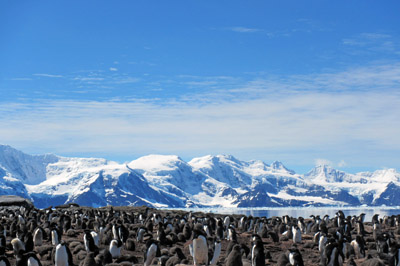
(245, 29)
(350, 116)
(113, 69)
(48, 75)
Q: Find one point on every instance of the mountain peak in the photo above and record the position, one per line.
(277, 165)
(156, 161)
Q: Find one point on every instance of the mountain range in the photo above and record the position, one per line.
(169, 181)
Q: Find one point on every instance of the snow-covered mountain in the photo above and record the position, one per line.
(168, 181)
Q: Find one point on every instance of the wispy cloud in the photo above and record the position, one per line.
(349, 116)
(21, 79)
(245, 29)
(113, 69)
(373, 42)
(48, 75)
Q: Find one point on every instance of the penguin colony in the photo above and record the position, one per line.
(72, 235)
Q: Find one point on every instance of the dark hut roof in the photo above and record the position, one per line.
(17, 201)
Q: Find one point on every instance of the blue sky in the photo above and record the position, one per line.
(303, 82)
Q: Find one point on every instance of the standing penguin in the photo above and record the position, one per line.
(152, 251)
(295, 257)
(88, 241)
(38, 237)
(63, 256)
(18, 246)
(115, 248)
(257, 252)
(333, 255)
(55, 236)
(199, 248)
(217, 252)
(140, 233)
(296, 234)
(358, 245)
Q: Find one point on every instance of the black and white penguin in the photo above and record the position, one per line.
(115, 248)
(375, 219)
(88, 241)
(140, 234)
(296, 234)
(219, 230)
(231, 233)
(18, 246)
(28, 259)
(360, 228)
(333, 254)
(235, 257)
(199, 248)
(358, 245)
(257, 252)
(295, 257)
(63, 256)
(123, 233)
(152, 251)
(28, 241)
(38, 236)
(216, 253)
(55, 236)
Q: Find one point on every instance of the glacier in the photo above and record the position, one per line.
(205, 182)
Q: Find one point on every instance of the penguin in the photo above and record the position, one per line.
(375, 219)
(274, 236)
(176, 258)
(55, 236)
(130, 245)
(295, 257)
(217, 252)
(38, 237)
(358, 245)
(28, 241)
(199, 248)
(17, 245)
(89, 260)
(321, 242)
(257, 252)
(235, 257)
(333, 254)
(63, 256)
(152, 251)
(123, 233)
(140, 233)
(360, 228)
(88, 241)
(96, 238)
(296, 234)
(28, 259)
(220, 230)
(115, 248)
